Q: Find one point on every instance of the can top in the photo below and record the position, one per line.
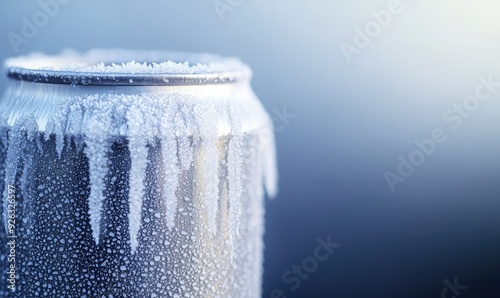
(127, 68)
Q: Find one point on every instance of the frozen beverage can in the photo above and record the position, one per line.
(132, 174)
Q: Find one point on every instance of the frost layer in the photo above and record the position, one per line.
(140, 194)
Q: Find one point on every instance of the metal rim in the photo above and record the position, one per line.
(122, 79)
(41, 68)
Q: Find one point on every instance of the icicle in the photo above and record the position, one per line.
(234, 165)
(96, 150)
(206, 116)
(27, 156)
(19, 134)
(138, 158)
(256, 183)
(269, 167)
(171, 166)
(26, 178)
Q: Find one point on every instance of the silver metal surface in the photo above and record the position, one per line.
(122, 79)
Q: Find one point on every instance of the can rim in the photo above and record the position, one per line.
(192, 69)
(121, 79)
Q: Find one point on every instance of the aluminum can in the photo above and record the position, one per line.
(132, 174)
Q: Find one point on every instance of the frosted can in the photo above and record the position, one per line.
(132, 179)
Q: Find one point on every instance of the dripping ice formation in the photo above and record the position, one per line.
(177, 122)
(153, 120)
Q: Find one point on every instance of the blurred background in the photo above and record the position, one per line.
(384, 145)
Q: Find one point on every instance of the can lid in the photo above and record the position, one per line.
(127, 68)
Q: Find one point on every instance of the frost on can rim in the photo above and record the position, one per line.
(144, 68)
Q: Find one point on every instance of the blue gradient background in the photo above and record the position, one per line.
(352, 122)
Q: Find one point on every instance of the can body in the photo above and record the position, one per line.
(132, 191)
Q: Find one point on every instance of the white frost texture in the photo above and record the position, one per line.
(149, 121)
